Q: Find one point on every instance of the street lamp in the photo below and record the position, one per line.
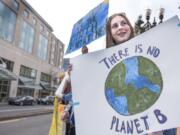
(154, 22)
(148, 14)
(161, 14)
(147, 25)
(140, 29)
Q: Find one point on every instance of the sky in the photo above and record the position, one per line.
(63, 14)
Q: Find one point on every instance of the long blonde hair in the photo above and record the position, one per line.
(109, 39)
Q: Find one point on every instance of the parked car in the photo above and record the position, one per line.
(46, 100)
(21, 100)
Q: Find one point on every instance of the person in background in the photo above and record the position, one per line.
(68, 114)
(84, 50)
(119, 30)
(64, 97)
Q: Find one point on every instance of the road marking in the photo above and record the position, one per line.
(12, 110)
(10, 121)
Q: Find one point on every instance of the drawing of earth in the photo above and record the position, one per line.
(133, 85)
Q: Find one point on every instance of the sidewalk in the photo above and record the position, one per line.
(19, 113)
(3, 104)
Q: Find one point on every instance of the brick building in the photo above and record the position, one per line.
(30, 54)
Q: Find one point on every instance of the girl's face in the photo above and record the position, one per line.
(120, 29)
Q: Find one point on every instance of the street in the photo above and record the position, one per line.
(37, 125)
(10, 111)
(13, 108)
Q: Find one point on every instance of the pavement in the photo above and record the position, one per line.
(23, 112)
(3, 104)
(43, 110)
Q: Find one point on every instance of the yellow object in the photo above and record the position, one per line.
(106, 1)
(61, 75)
(57, 124)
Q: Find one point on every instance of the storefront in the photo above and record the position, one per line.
(47, 89)
(6, 76)
(5, 81)
(27, 86)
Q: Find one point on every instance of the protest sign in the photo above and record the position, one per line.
(132, 88)
(89, 28)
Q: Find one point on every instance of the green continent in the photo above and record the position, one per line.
(138, 100)
(150, 70)
(116, 79)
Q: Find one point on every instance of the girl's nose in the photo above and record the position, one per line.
(120, 26)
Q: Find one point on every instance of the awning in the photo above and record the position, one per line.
(30, 86)
(25, 82)
(47, 86)
(56, 86)
(7, 75)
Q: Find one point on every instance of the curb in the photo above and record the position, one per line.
(26, 114)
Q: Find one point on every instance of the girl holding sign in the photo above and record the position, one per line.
(119, 30)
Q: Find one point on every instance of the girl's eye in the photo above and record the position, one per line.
(123, 23)
(115, 25)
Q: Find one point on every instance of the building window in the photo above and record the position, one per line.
(42, 48)
(28, 72)
(41, 28)
(8, 64)
(62, 54)
(61, 60)
(47, 33)
(27, 37)
(53, 42)
(15, 4)
(25, 92)
(60, 66)
(4, 90)
(53, 49)
(5, 85)
(52, 56)
(7, 23)
(34, 21)
(45, 77)
(25, 13)
(52, 62)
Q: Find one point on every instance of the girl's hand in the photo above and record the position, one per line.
(69, 69)
(65, 116)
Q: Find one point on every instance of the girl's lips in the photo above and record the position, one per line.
(121, 34)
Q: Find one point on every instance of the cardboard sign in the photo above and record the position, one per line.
(132, 88)
(89, 28)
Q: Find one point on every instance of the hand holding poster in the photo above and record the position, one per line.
(131, 88)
